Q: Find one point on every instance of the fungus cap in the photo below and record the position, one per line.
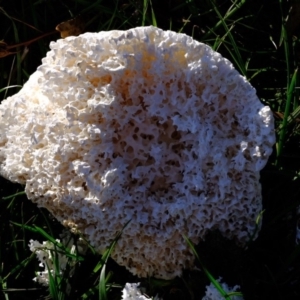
(143, 125)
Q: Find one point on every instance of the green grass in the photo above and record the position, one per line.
(260, 43)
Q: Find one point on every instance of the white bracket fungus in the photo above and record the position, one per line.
(147, 125)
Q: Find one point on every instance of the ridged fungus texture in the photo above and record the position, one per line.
(143, 125)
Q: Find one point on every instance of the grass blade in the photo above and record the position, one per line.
(21, 266)
(106, 255)
(52, 285)
(57, 244)
(237, 57)
(283, 128)
(13, 196)
(230, 13)
(207, 273)
(145, 7)
(102, 284)
(153, 18)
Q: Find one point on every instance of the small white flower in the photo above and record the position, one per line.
(213, 294)
(45, 253)
(131, 291)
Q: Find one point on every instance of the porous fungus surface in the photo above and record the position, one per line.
(143, 125)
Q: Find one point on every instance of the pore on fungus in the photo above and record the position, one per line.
(143, 125)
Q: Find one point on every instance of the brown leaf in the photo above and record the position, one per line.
(71, 27)
(4, 50)
(278, 115)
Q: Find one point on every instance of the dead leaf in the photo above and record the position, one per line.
(278, 115)
(3, 45)
(4, 50)
(71, 27)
